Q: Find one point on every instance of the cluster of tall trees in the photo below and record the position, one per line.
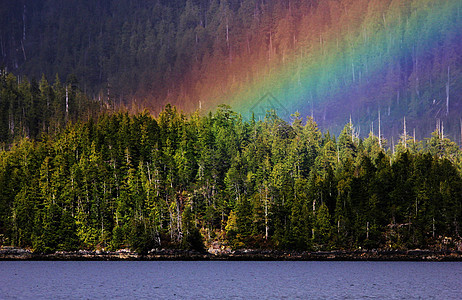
(30, 108)
(400, 56)
(179, 181)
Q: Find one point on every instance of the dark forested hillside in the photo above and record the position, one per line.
(129, 47)
(32, 108)
(335, 58)
(179, 181)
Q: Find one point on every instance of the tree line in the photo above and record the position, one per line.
(184, 181)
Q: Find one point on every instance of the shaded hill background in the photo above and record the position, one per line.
(401, 58)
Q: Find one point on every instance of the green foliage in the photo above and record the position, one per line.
(141, 237)
(140, 182)
(192, 239)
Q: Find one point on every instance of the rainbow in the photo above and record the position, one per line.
(347, 57)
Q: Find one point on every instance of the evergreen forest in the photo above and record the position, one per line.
(77, 175)
(339, 57)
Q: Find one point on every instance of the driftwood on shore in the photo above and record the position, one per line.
(10, 253)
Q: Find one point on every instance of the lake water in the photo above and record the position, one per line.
(229, 280)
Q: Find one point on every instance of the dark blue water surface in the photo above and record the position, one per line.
(229, 280)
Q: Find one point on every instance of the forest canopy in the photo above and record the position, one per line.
(116, 180)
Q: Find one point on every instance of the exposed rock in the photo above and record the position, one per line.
(217, 248)
(224, 253)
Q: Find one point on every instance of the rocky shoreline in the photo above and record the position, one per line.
(10, 253)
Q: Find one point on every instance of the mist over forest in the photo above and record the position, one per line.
(327, 59)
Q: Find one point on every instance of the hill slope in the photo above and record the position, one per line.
(332, 58)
